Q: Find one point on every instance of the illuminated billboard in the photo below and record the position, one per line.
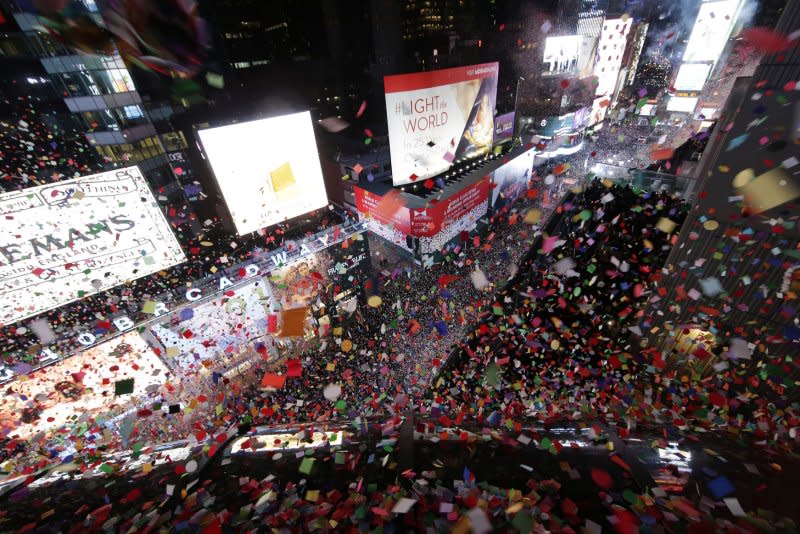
(610, 49)
(88, 385)
(682, 104)
(268, 170)
(504, 127)
(67, 240)
(711, 30)
(599, 110)
(692, 76)
(511, 180)
(438, 117)
(561, 54)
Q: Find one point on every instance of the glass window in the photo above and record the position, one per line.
(114, 80)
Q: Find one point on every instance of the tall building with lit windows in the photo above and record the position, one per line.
(99, 94)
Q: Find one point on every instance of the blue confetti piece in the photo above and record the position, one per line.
(721, 487)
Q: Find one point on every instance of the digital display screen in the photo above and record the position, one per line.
(439, 117)
(268, 170)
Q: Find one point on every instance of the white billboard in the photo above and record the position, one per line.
(711, 30)
(64, 241)
(610, 49)
(692, 76)
(561, 53)
(682, 104)
(268, 170)
(439, 117)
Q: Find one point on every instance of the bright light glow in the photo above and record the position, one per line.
(610, 49)
(682, 104)
(68, 240)
(561, 53)
(692, 76)
(708, 113)
(511, 179)
(281, 442)
(648, 110)
(268, 170)
(61, 400)
(711, 30)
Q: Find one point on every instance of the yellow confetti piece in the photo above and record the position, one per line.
(724, 168)
(206, 243)
(711, 225)
(666, 225)
(312, 495)
(330, 367)
(743, 178)
(337, 331)
(533, 216)
(347, 345)
(146, 468)
(555, 344)
(374, 301)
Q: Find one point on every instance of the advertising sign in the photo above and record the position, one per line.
(447, 219)
(84, 386)
(610, 49)
(682, 104)
(511, 180)
(433, 220)
(503, 127)
(692, 76)
(268, 170)
(64, 241)
(561, 54)
(212, 329)
(711, 30)
(438, 117)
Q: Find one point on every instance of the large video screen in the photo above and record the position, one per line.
(692, 76)
(711, 30)
(438, 117)
(268, 170)
(511, 180)
(214, 331)
(85, 386)
(64, 241)
(561, 54)
(682, 104)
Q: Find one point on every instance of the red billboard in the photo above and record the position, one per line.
(430, 221)
(388, 209)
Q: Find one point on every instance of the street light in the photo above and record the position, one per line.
(516, 105)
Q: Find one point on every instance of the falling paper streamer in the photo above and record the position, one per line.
(767, 191)
(43, 331)
(479, 280)
(332, 392)
(293, 322)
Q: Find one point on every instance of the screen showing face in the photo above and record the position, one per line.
(268, 170)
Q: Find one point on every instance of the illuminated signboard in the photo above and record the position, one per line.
(682, 104)
(561, 54)
(67, 240)
(438, 117)
(610, 49)
(692, 76)
(711, 30)
(268, 170)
